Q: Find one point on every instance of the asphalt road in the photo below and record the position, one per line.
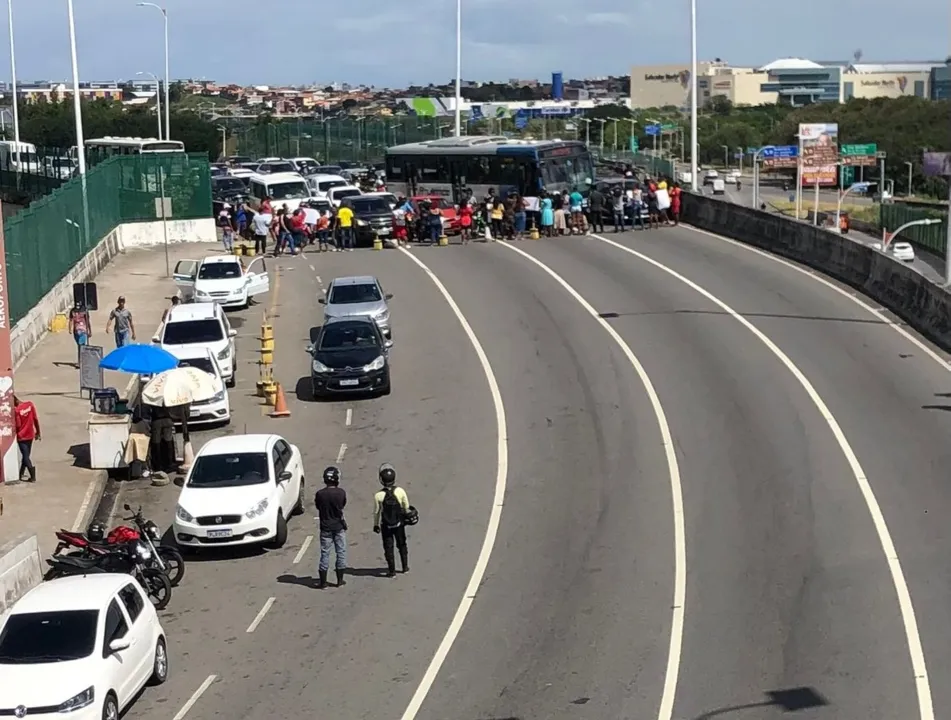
(798, 450)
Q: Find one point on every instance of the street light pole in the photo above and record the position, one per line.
(911, 168)
(887, 240)
(13, 77)
(859, 187)
(458, 68)
(601, 134)
(693, 95)
(158, 100)
(77, 106)
(726, 156)
(168, 126)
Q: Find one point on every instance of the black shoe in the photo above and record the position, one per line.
(404, 561)
(391, 573)
(340, 581)
(322, 582)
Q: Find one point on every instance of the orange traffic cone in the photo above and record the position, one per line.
(280, 405)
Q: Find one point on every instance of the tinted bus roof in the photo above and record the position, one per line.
(480, 145)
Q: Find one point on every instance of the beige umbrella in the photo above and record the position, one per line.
(181, 386)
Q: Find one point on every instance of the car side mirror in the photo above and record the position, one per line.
(322, 301)
(388, 344)
(232, 333)
(156, 339)
(120, 644)
(389, 296)
(309, 349)
(284, 476)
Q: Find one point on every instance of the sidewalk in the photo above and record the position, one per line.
(67, 492)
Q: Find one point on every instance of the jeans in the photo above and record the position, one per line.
(618, 220)
(434, 232)
(227, 239)
(336, 541)
(346, 238)
(394, 536)
(298, 240)
(123, 337)
(26, 446)
(322, 236)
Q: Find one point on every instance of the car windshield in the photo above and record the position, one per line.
(219, 271)
(346, 336)
(350, 294)
(32, 638)
(350, 192)
(188, 332)
(227, 183)
(230, 470)
(289, 190)
(369, 205)
(199, 363)
(325, 185)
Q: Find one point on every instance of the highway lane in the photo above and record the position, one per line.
(573, 619)
(889, 395)
(778, 596)
(361, 646)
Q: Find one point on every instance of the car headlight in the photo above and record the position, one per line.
(81, 700)
(319, 367)
(375, 365)
(218, 396)
(362, 223)
(224, 353)
(201, 293)
(382, 317)
(256, 510)
(183, 514)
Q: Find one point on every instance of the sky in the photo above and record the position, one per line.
(394, 44)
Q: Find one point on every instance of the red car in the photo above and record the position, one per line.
(449, 211)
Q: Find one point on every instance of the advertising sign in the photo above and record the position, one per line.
(7, 422)
(820, 153)
(936, 164)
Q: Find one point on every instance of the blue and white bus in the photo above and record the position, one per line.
(528, 167)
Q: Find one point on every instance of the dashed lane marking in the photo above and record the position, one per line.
(260, 616)
(341, 452)
(195, 697)
(303, 549)
(349, 416)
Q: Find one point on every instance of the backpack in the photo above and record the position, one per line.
(391, 513)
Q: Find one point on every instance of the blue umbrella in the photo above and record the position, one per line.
(141, 359)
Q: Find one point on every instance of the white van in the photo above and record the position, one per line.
(320, 185)
(27, 161)
(283, 189)
(719, 187)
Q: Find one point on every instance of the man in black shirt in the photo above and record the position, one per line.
(330, 502)
(596, 209)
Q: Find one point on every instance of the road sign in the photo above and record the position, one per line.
(652, 129)
(780, 151)
(751, 150)
(866, 149)
(669, 127)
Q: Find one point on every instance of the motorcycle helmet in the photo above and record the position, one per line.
(411, 517)
(387, 475)
(96, 532)
(331, 476)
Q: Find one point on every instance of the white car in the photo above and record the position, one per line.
(389, 197)
(321, 184)
(337, 195)
(217, 409)
(82, 646)
(201, 325)
(221, 279)
(903, 251)
(709, 176)
(240, 490)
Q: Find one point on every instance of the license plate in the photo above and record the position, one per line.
(195, 412)
(383, 231)
(219, 533)
(349, 383)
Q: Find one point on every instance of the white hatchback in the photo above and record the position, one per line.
(80, 646)
(221, 279)
(240, 490)
(216, 409)
(201, 325)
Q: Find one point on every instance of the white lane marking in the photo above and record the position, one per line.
(906, 607)
(878, 313)
(195, 696)
(495, 516)
(260, 616)
(349, 416)
(319, 280)
(303, 549)
(341, 452)
(676, 490)
(312, 268)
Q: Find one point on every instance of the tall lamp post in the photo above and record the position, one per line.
(601, 134)
(168, 126)
(693, 95)
(13, 78)
(158, 100)
(458, 68)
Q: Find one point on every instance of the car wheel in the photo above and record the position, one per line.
(280, 536)
(232, 381)
(299, 507)
(160, 663)
(110, 708)
(315, 394)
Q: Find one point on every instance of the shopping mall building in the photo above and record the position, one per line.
(791, 81)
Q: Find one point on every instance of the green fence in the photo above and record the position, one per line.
(929, 237)
(44, 241)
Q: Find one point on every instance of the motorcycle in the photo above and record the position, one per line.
(165, 558)
(132, 558)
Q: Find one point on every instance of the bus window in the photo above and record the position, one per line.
(433, 169)
(395, 171)
(480, 170)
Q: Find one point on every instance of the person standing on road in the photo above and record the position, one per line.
(331, 501)
(390, 506)
(79, 326)
(345, 226)
(28, 430)
(617, 204)
(122, 317)
(596, 208)
(261, 224)
(227, 229)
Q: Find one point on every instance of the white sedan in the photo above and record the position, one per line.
(82, 646)
(903, 251)
(240, 490)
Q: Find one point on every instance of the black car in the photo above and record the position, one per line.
(372, 217)
(227, 189)
(350, 355)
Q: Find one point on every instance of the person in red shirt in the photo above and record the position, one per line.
(465, 223)
(28, 430)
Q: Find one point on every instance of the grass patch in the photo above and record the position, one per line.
(865, 213)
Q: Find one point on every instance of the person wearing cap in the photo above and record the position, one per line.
(227, 228)
(390, 506)
(122, 317)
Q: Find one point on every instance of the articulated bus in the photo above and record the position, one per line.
(528, 167)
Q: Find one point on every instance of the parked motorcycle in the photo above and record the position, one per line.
(165, 558)
(132, 558)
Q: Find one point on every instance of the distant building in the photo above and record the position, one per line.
(663, 85)
(58, 92)
(799, 82)
(940, 82)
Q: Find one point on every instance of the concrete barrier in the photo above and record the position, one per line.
(20, 570)
(914, 298)
(34, 325)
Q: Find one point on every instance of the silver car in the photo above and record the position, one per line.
(358, 296)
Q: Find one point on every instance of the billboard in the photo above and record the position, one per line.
(937, 164)
(820, 153)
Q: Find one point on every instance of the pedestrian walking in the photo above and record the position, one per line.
(227, 229)
(124, 327)
(390, 507)
(28, 430)
(331, 501)
(80, 326)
